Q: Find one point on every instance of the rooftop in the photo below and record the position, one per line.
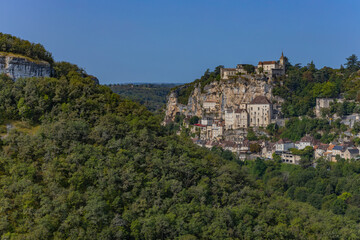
(260, 100)
(266, 62)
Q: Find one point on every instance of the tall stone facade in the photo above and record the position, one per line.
(260, 109)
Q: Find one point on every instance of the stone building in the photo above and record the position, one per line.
(260, 110)
(255, 114)
(229, 119)
(272, 68)
(227, 73)
(322, 103)
(241, 118)
(269, 68)
(210, 105)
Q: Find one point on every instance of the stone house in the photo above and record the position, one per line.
(268, 150)
(351, 153)
(217, 129)
(210, 105)
(229, 119)
(338, 150)
(269, 68)
(290, 158)
(206, 121)
(260, 110)
(283, 145)
(272, 68)
(241, 118)
(319, 150)
(304, 142)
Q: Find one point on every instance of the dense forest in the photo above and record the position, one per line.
(36, 51)
(152, 96)
(88, 164)
(302, 85)
(78, 161)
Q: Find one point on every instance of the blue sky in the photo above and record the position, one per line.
(177, 40)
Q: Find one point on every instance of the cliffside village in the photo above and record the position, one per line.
(229, 130)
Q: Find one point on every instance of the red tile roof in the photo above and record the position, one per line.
(267, 62)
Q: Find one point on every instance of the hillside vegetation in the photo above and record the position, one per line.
(302, 85)
(83, 163)
(152, 96)
(100, 167)
(36, 51)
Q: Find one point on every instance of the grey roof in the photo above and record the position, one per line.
(338, 148)
(353, 150)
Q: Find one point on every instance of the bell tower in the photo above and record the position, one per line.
(282, 59)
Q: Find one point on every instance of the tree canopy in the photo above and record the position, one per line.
(12, 44)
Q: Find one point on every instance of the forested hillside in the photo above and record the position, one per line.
(95, 166)
(302, 85)
(12, 44)
(78, 161)
(152, 96)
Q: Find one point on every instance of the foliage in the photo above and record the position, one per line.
(249, 68)
(97, 166)
(152, 96)
(251, 135)
(101, 167)
(184, 91)
(194, 120)
(11, 44)
(302, 85)
(255, 148)
(296, 128)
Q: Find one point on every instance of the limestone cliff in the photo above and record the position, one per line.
(224, 94)
(17, 66)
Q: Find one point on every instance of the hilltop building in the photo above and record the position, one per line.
(272, 68)
(268, 68)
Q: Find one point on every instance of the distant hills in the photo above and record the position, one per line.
(151, 95)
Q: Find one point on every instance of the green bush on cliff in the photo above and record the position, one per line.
(11, 44)
(184, 91)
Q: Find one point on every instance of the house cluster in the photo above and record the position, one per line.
(227, 127)
(283, 148)
(257, 113)
(268, 68)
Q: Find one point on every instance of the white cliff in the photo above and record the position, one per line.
(17, 66)
(229, 93)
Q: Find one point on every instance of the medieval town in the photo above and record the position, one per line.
(229, 127)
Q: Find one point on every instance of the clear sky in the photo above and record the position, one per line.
(177, 40)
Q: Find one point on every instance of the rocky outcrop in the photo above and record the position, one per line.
(16, 66)
(224, 93)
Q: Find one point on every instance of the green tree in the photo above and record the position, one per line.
(352, 63)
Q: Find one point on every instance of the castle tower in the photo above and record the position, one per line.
(282, 59)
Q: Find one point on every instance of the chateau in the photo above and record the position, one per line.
(268, 68)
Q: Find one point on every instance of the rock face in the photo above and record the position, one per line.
(225, 94)
(17, 67)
